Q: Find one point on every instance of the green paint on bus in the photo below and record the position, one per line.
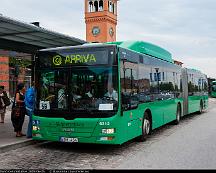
(132, 89)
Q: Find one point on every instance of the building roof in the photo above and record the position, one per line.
(28, 38)
(178, 62)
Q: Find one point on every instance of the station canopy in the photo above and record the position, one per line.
(28, 38)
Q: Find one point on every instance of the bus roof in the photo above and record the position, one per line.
(146, 48)
(137, 46)
(86, 45)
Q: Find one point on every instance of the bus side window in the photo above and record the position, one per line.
(129, 86)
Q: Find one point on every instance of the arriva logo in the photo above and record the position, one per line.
(57, 60)
(74, 59)
(78, 58)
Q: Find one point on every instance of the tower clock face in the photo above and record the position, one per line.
(111, 32)
(95, 30)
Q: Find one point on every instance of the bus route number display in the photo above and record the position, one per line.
(44, 105)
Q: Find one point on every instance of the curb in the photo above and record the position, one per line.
(17, 145)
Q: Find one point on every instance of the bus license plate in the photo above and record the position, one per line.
(64, 139)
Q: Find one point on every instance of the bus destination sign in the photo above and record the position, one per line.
(99, 57)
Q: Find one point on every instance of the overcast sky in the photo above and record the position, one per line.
(186, 28)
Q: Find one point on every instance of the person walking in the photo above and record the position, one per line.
(30, 103)
(18, 117)
(2, 104)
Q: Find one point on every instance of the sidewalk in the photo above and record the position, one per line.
(8, 139)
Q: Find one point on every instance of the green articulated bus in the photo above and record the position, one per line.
(213, 89)
(110, 93)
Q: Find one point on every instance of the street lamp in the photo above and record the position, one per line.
(157, 69)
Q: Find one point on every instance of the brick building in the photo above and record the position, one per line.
(101, 20)
(4, 72)
(12, 72)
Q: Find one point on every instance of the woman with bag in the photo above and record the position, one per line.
(18, 110)
(2, 104)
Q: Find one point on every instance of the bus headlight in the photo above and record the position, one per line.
(108, 131)
(35, 128)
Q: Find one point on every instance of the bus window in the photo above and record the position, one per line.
(129, 84)
(90, 86)
(53, 90)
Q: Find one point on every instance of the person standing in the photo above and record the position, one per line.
(2, 104)
(30, 104)
(18, 119)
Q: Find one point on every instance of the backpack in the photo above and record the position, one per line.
(6, 99)
(30, 98)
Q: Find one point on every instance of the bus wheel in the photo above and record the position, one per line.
(201, 107)
(178, 115)
(146, 127)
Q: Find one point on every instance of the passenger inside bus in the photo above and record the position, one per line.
(47, 91)
(76, 93)
(62, 97)
(111, 93)
(88, 92)
(44, 89)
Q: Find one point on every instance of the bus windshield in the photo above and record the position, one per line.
(78, 89)
(214, 86)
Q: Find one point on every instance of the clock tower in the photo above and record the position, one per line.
(101, 20)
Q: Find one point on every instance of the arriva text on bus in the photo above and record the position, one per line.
(77, 58)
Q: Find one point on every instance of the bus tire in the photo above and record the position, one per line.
(178, 114)
(146, 127)
(201, 107)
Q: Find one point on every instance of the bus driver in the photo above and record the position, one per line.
(111, 93)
